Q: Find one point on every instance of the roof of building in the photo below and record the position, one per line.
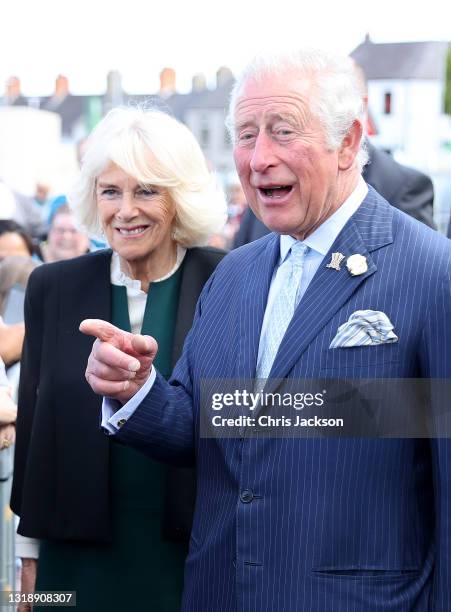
(72, 108)
(178, 104)
(405, 60)
(217, 98)
(69, 107)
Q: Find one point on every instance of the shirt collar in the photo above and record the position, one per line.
(118, 277)
(324, 236)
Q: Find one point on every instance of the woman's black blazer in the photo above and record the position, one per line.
(60, 486)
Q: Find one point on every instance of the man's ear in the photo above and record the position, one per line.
(350, 146)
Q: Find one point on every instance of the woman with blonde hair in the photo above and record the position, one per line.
(114, 526)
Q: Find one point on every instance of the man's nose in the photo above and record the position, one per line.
(263, 155)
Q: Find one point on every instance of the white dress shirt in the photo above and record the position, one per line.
(136, 297)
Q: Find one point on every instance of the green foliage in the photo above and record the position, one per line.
(448, 85)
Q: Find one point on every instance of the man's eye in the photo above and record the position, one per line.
(245, 136)
(284, 132)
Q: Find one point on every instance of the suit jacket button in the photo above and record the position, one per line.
(246, 496)
(121, 422)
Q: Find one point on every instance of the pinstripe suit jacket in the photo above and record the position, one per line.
(345, 525)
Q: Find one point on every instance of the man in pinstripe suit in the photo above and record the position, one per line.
(283, 524)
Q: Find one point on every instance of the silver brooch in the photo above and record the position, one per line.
(335, 261)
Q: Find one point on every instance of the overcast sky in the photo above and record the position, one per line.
(85, 39)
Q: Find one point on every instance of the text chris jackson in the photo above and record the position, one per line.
(268, 421)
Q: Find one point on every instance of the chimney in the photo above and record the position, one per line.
(115, 93)
(199, 83)
(367, 38)
(223, 75)
(12, 88)
(167, 82)
(61, 86)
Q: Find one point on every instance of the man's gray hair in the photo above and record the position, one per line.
(337, 101)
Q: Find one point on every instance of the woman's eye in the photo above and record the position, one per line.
(109, 192)
(146, 192)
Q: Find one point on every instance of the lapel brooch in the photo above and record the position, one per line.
(356, 264)
(335, 261)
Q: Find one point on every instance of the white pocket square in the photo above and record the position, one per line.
(364, 328)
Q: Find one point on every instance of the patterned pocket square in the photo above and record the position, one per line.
(365, 328)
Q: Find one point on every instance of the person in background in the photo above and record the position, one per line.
(23, 209)
(114, 526)
(8, 411)
(14, 272)
(43, 200)
(42, 193)
(11, 341)
(236, 205)
(64, 240)
(61, 201)
(15, 240)
(57, 202)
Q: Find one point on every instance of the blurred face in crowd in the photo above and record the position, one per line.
(289, 174)
(64, 239)
(42, 193)
(13, 244)
(137, 219)
(237, 195)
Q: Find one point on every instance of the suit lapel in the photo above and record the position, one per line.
(193, 279)
(85, 294)
(198, 265)
(369, 229)
(255, 284)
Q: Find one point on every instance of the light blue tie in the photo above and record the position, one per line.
(282, 311)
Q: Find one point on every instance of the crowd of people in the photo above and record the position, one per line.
(146, 513)
(20, 253)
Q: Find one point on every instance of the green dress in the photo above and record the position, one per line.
(139, 571)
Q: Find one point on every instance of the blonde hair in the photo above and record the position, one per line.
(155, 149)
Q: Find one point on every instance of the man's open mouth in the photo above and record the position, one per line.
(277, 191)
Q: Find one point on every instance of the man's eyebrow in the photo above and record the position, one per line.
(281, 116)
(271, 118)
(248, 121)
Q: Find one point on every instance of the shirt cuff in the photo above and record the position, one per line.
(114, 416)
(27, 548)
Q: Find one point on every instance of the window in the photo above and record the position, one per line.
(204, 133)
(387, 103)
(227, 140)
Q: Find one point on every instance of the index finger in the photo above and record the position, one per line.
(104, 331)
(107, 354)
